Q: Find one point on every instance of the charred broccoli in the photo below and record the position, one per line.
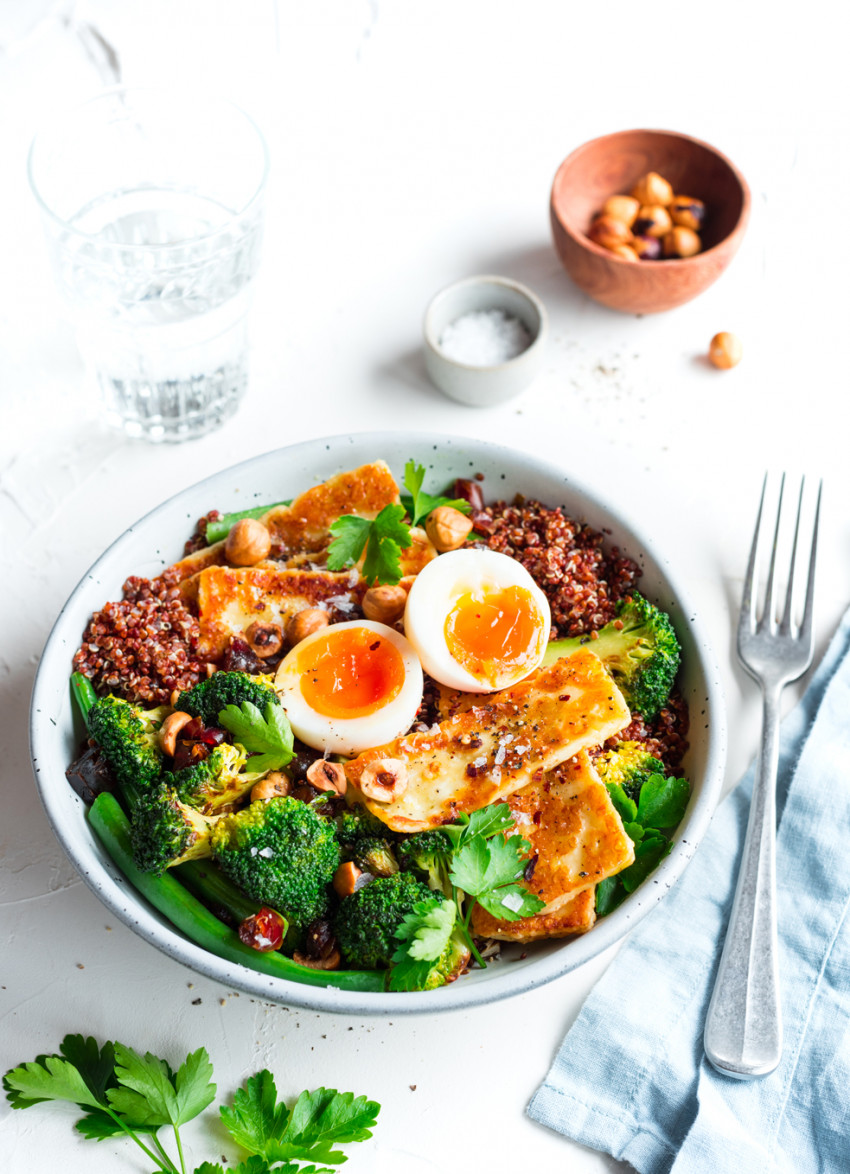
(357, 823)
(127, 736)
(281, 853)
(628, 765)
(207, 699)
(427, 854)
(366, 921)
(375, 855)
(164, 831)
(639, 649)
(215, 781)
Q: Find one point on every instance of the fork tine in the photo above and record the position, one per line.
(806, 626)
(785, 626)
(746, 620)
(767, 623)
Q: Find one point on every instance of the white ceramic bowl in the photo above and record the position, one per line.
(55, 736)
(484, 386)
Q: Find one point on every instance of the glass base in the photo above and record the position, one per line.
(173, 410)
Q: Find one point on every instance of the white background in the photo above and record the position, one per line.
(412, 144)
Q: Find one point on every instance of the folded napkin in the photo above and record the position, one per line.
(631, 1077)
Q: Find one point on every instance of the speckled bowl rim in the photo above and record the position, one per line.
(483, 279)
(51, 736)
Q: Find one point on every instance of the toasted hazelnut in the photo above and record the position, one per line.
(648, 248)
(384, 604)
(275, 785)
(447, 528)
(725, 350)
(331, 962)
(265, 639)
(327, 776)
(623, 208)
(247, 543)
(609, 232)
(345, 879)
(687, 211)
(174, 698)
(304, 623)
(626, 253)
(681, 242)
(210, 668)
(169, 730)
(652, 188)
(384, 780)
(652, 220)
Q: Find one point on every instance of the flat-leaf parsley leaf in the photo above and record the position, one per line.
(268, 739)
(382, 539)
(419, 504)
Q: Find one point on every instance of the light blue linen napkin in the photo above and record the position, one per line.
(631, 1077)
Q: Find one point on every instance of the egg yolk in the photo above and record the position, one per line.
(492, 633)
(351, 672)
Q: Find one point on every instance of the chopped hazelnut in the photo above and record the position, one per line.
(447, 528)
(725, 350)
(331, 962)
(625, 253)
(384, 604)
(264, 639)
(681, 242)
(247, 543)
(384, 780)
(327, 776)
(275, 785)
(652, 220)
(652, 188)
(623, 208)
(609, 232)
(169, 730)
(345, 879)
(304, 623)
(687, 211)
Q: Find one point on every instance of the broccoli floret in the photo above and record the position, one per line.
(628, 765)
(427, 854)
(373, 854)
(165, 832)
(207, 699)
(357, 823)
(639, 649)
(451, 963)
(283, 854)
(127, 735)
(215, 781)
(366, 921)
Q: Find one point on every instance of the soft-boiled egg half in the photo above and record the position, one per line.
(477, 620)
(350, 686)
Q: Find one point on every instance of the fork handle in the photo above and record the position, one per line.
(743, 1030)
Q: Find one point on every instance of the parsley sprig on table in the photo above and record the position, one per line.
(267, 737)
(484, 866)
(386, 536)
(124, 1092)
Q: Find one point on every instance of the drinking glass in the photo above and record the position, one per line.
(153, 208)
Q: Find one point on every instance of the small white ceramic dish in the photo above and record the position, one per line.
(55, 734)
(484, 386)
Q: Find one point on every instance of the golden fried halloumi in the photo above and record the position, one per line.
(491, 750)
(304, 524)
(576, 915)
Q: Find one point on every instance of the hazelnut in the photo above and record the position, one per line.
(384, 780)
(275, 785)
(652, 188)
(304, 623)
(609, 232)
(725, 350)
(345, 879)
(687, 211)
(681, 242)
(447, 528)
(247, 543)
(264, 639)
(327, 776)
(652, 220)
(331, 962)
(626, 253)
(384, 604)
(623, 208)
(169, 730)
(648, 248)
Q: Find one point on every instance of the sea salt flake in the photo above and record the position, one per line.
(512, 901)
(484, 338)
(267, 853)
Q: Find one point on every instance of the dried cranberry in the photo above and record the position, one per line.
(300, 764)
(469, 491)
(189, 754)
(89, 775)
(212, 736)
(304, 792)
(192, 730)
(319, 940)
(240, 658)
(263, 931)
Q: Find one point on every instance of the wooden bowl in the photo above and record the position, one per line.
(610, 166)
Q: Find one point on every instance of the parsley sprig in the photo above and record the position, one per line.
(125, 1092)
(484, 866)
(386, 536)
(267, 737)
(661, 805)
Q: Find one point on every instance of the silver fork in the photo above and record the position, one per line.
(743, 1030)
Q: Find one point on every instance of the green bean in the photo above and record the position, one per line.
(219, 529)
(84, 695)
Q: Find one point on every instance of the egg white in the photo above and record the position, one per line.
(350, 735)
(434, 593)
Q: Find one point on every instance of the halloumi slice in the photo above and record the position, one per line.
(576, 915)
(304, 524)
(491, 750)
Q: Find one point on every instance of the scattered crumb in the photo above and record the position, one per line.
(222, 1002)
(80, 966)
(108, 928)
(196, 1002)
(412, 1087)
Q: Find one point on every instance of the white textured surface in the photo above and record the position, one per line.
(412, 145)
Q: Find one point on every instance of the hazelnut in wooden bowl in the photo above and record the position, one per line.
(614, 165)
